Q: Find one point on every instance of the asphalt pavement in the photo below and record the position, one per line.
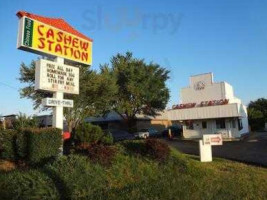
(250, 150)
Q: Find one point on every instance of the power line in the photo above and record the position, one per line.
(10, 86)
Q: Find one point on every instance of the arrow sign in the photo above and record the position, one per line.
(216, 139)
(205, 150)
(212, 139)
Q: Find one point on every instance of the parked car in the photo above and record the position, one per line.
(176, 130)
(153, 132)
(148, 132)
(143, 133)
(119, 135)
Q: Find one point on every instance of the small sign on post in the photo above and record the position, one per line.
(205, 150)
(52, 102)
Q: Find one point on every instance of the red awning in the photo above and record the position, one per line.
(55, 22)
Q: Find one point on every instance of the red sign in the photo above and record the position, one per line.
(66, 135)
(215, 139)
(214, 102)
(202, 104)
(212, 139)
(183, 106)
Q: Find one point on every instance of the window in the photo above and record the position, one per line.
(233, 124)
(204, 125)
(220, 123)
(189, 125)
(240, 125)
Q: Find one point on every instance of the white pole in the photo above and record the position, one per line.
(205, 152)
(58, 110)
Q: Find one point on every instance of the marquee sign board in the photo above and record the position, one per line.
(55, 77)
(41, 38)
(57, 102)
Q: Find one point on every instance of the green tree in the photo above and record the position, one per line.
(27, 76)
(129, 86)
(257, 113)
(97, 95)
(260, 105)
(141, 87)
(97, 92)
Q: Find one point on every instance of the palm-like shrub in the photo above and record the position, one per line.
(87, 134)
(23, 121)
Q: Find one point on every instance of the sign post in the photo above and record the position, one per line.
(58, 78)
(58, 110)
(55, 39)
(205, 150)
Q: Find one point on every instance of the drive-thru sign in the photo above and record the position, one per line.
(205, 145)
(57, 40)
(51, 102)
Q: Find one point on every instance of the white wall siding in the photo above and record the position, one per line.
(221, 111)
(211, 92)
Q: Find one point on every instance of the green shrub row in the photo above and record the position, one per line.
(25, 185)
(99, 153)
(8, 144)
(42, 144)
(35, 146)
(152, 148)
(132, 177)
(157, 150)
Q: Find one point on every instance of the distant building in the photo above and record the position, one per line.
(209, 107)
(113, 120)
(11, 117)
(7, 121)
(44, 120)
(206, 107)
(47, 121)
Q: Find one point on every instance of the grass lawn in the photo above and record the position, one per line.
(132, 176)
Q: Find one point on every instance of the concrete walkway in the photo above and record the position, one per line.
(251, 150)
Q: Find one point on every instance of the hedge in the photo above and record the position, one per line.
(24, 185)
(35, 146)
(42, 144)
(21, 145)
(7, 144)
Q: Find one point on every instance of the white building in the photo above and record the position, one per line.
(209, 107)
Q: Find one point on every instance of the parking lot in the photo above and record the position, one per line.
(251, 150)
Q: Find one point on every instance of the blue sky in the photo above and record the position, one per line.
(226, 37)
